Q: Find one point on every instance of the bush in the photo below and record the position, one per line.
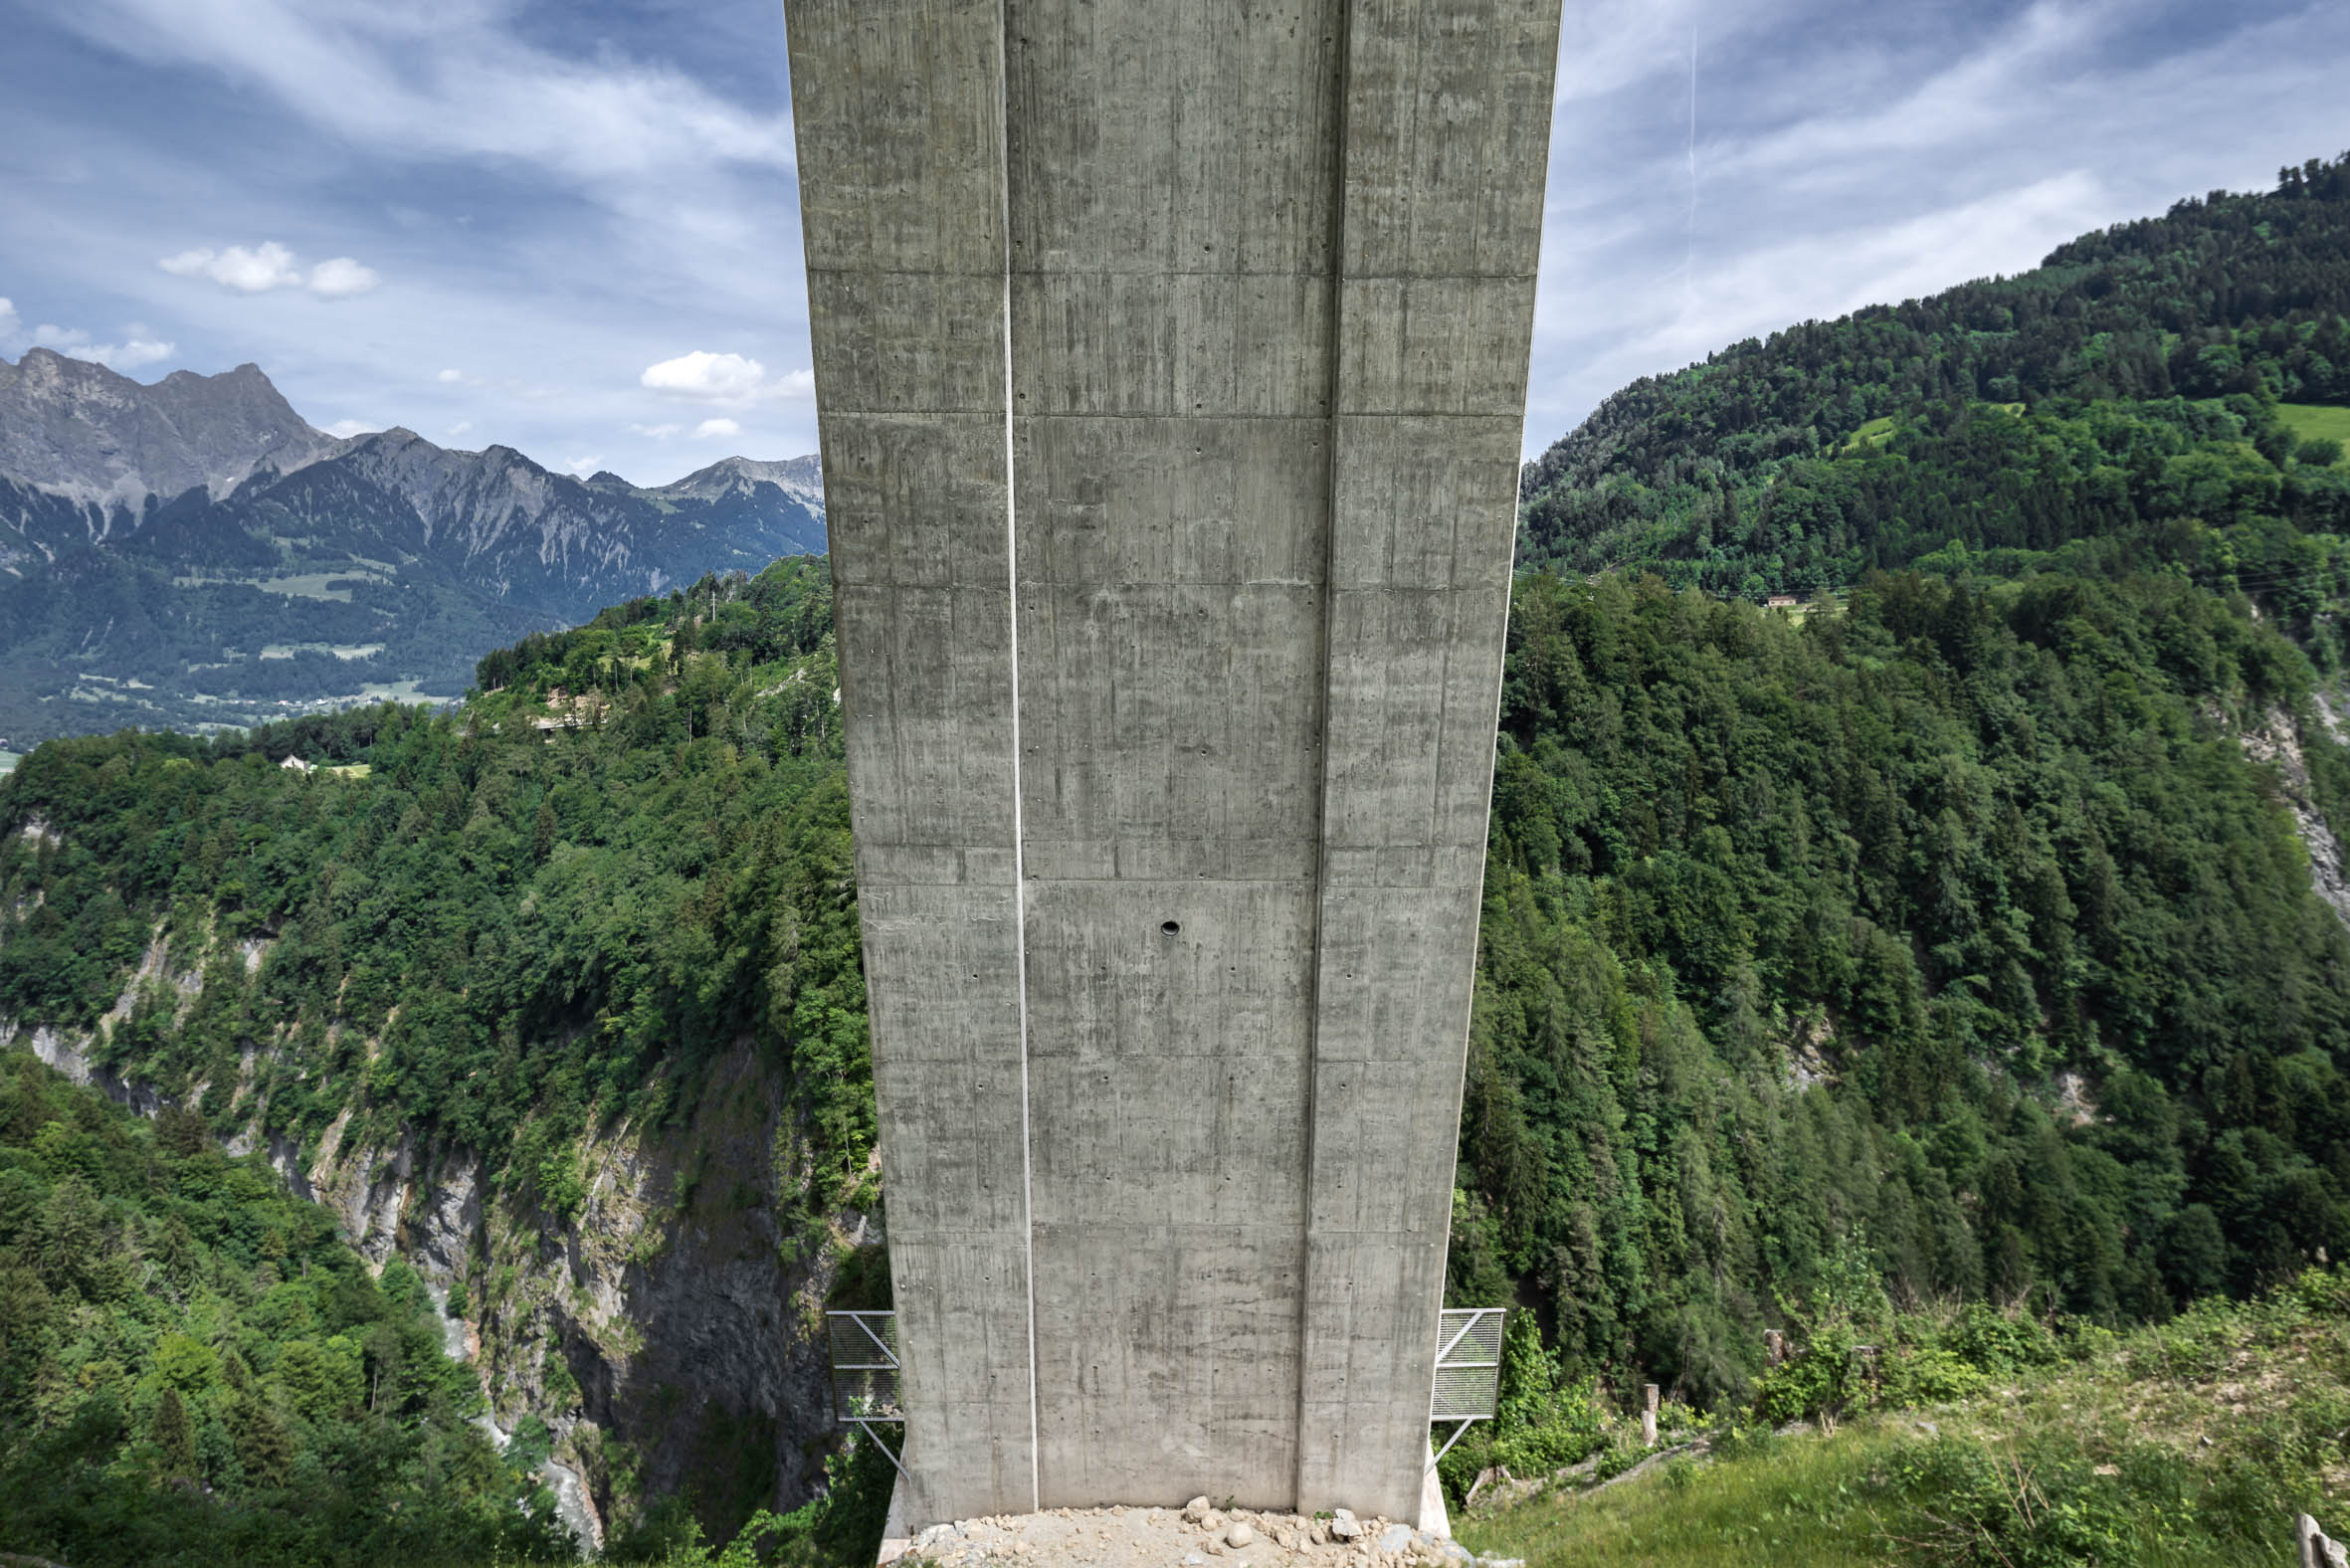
(1827, 1380)
(2002, 1342)
(1969, 1504)
(1932, 1376)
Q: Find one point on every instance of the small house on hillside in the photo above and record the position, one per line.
(1780, 601)
(298, 765)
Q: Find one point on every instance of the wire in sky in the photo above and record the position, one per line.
(1688, 270)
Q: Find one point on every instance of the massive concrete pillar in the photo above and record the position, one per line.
(1170, 362)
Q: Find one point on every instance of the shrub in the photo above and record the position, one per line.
(1932, 1376)
(1825, 1380)
(1969, 1504)
(2002, 1342)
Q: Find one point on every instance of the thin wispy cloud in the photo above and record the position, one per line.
(1843, 158)
(452, 78)
(573, 227)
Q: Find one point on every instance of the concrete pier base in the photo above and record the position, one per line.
(1170, 362)
(896, 1539)
(1434, 1519)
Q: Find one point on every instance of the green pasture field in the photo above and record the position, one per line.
(2318, 422)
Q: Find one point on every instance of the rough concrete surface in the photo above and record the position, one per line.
(1170, 365)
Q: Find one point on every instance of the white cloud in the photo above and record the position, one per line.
(703, 374)
(729, 380)
(339, 277)
(656, 432)
(449, 378)
(460, 428)
(716, 427)
(583, 467)
(134, 350)
(345, 429)
(8, 318)
(269, 266)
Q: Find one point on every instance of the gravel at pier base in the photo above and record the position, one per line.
(1194, 1537)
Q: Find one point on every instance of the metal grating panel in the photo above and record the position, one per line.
(1467, 1364)
(864, 1347)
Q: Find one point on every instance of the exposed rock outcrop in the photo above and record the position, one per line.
(2278, 741)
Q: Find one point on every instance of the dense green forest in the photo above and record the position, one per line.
(1958, 923)
(2135, 374)
(535, 925)
(1959, 920)
(194, 1369)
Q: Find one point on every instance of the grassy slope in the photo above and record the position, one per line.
(1798, 1505)
(2317, 421)
(2186, 1444)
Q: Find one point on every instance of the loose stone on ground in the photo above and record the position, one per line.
(1198, 1535)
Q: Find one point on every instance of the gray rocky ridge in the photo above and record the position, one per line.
(168, 550)
(84, 431)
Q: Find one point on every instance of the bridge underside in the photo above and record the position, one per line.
(1171, 367)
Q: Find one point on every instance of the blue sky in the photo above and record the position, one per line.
(573, 228)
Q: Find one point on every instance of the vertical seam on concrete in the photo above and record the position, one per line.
(1028, 1212)
(1342, 39)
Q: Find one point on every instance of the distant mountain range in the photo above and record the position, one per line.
(194, 554)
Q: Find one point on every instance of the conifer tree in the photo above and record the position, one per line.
(174, 1437)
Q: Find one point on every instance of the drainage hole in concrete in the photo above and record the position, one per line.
(1170, 928)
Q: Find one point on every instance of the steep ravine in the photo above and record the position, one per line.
(667, 1331)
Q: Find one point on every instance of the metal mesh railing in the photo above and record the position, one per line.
(1467, 1364)
(864, 1347)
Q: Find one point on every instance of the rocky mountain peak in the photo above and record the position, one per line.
(80, 430)
(802, 478)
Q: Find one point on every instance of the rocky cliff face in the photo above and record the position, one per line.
(2277, 742)
(526, 535)
(801, 479)
(668, 1327)
(88, 432)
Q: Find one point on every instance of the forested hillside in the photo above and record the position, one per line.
(544, 959)
(1959, 923)
(1793, 464)
(194, 1369)
(526, 913)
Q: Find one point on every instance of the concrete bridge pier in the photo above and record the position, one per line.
(1170, 363)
